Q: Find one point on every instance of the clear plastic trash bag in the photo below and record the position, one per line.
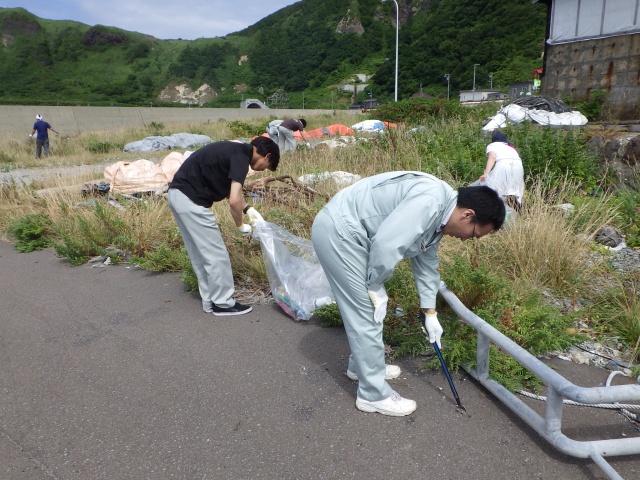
(296, 279)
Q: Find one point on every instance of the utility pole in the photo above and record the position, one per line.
(448, 77)
(474, 76)
(397, 29)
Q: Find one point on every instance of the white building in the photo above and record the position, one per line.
(467, 96)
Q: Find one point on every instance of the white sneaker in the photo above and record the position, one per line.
(394, 406)
(391, 372)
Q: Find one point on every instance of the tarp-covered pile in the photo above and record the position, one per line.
(177, 140)
(369, 126)
(143, 175)
(331, 130)
(537, 109)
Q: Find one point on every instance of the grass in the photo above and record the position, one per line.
(543, 247)
(616, 312)
(506, 278)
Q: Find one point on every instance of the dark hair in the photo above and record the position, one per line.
(265, 146)
(486, 202)
(303, 122)
(498, 136)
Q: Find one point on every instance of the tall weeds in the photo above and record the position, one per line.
(546, 246)
(543, 248)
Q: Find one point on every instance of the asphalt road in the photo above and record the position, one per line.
(116, 373)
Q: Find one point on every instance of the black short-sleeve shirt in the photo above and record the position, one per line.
(292, 124)
(205, 176)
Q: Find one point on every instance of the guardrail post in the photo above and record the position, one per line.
(482, 356)
(553, 415)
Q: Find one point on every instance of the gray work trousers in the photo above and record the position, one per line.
(40, 144)
(286, 140)
(208, 254)
(345, 261)
(272, 129)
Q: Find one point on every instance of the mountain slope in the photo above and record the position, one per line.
(307, 47)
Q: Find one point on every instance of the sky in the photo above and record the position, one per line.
(164, 19)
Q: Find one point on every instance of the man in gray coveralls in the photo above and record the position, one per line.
(359, 238)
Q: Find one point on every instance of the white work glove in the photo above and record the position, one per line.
(431, 326)
(30, 135)
(254, 216)
(245, 230)
(308, 145)
(379, 299)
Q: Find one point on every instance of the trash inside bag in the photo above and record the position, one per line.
(296, 279)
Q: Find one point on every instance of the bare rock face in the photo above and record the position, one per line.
(97, 35)
(350, 24)
(184, 94)
(13, 26)
(622, 155)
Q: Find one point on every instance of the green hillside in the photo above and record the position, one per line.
(309, 47)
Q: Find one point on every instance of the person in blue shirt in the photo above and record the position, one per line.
(359, 238)
(42, 138)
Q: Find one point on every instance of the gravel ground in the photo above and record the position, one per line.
(627, 260)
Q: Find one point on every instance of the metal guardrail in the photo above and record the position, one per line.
(559, 388)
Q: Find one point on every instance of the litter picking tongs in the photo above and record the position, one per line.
(459, 406)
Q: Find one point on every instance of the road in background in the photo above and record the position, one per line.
(19, 120)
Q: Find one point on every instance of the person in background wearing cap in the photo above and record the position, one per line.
(504, 171)
(42, 139)
(211, 174)
(286, 138)
(361, 235)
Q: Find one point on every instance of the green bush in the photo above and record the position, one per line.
(32, 232)
(551, 155)
(242, 129)
(418, 111)
(330, 315)
(95, 146)
(163, 258)
(82, 237)
(593, 107)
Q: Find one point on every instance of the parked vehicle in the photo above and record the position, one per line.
(369, 105)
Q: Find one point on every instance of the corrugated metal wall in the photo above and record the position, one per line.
(590, 19)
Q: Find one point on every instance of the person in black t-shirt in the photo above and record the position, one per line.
(211, 174)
